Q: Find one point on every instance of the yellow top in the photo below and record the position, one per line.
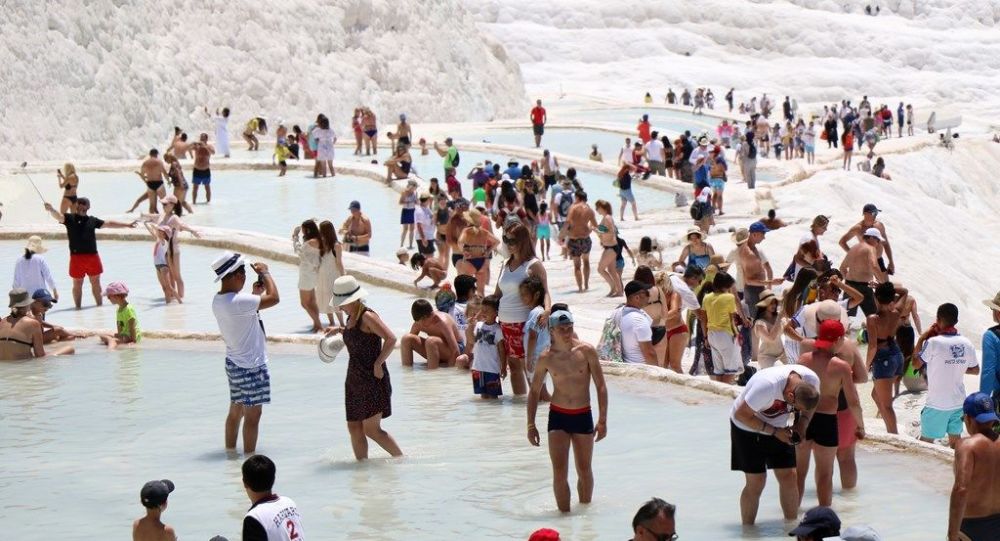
(282, 153)
(719, 308)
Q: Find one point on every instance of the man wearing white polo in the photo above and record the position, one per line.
(246, 346)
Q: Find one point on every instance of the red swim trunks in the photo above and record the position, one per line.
(81, 265)
(513, 339)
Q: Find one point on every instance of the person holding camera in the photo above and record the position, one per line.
(246, 346)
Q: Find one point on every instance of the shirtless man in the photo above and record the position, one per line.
(179, 146)
(860, 268)
(154, 496)
(550, 170)
(835, 375)
(977, 473)
(441, 346)
(41, 303)
(403, 133)
(202, 173)
(755, 276)
(152, 172)
(456, 226)
(580, 222)
(572, 365)
(357, 230)
(859, 231)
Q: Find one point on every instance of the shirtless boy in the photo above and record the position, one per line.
(977, 474)
(440, 347)
(572, 365)
(202, 173)
(154, 498)
(860, 268)
(822, 435)
(580, 222)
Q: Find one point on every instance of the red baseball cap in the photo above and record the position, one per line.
(544, 534)
(829, 332)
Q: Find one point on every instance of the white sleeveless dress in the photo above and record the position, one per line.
(308, 265)
(324, 283)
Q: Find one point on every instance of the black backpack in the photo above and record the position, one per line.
(455, 160)
(699, 209)
(565, 202)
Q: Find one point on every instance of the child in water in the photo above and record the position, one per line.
(489, 357)
(281, 154)
(161, 247)
(128, 325)
(430, 268)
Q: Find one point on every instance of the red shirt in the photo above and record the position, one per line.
(644, 132)
(538, 115)
(453, 185)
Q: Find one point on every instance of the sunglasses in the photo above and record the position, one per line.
(661, 536)
(509, 240)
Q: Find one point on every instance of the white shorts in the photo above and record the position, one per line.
(726, 356)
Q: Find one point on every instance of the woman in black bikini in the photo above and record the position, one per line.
(20, 334)
(68, 181)
(477, 245)
(607, 232)
(177, 180)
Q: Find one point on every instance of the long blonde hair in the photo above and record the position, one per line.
(69, 170)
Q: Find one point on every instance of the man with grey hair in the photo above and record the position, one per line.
(654, 521)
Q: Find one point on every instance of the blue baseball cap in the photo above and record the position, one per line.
(44, 296)
(560, 317)
(758, 227)
(355, 205)
(979, 406)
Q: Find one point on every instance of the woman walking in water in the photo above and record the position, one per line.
(367, 389)
(477, 243)
(69, 182)
(176, 178)
(325, 139)
(308, 249)
(171, 218)
(607, 233)
(331, 267)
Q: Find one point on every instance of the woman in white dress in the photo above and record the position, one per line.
(221, 131)
(331, 267)
(308, 250)
(31, 272)
(325, 139)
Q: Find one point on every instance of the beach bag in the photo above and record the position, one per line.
(609, 348)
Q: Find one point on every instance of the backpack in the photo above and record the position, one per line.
(455, 160)
(565, 202)
(609, 348)
(700, 209)
(752, 152)
(996, 394)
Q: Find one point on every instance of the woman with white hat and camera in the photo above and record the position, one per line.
(367, 389)
(31, 272)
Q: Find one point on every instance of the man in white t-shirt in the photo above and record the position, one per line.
(246, 346)
(625, 155)
(655, 156)
(270, 517)
(423, 219)
(637, 326)
(761, 438)
(949, 356)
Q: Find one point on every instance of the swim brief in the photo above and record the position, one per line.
(753, 452)
(476, 262)
(248, 386)
(550, 180)
(201, 176)
(579, 247)
(571, 420)
(680, 329)
(81, 265)
(154, 185)
(371, 133)
(868, 304)
(362, 249)
(486, 383)
(823, 429)
(981, 528)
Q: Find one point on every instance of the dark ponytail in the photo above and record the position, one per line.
(28, 253)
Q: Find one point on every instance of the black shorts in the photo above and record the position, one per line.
(756, 453)
(823, 430)
(362, 249)
(550, 180)
(538, 129)
(868, 304)
(404, 140)
(571, 421)
(455, 258)
(426, 248)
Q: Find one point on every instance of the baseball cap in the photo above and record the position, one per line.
(633, 287)
(154, 493)
(874, 233)
(860, 533)
(544, 534)
(979, 406)
(818, 519)
(355, 205)
(871, 208)
(560, 317)
(44, 296)
(830, 331)
(758, 227)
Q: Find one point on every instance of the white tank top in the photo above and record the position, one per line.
(280, 519)
(512, 310)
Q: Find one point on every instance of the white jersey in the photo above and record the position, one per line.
(279, 518)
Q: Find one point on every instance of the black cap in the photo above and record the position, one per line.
(355, 205)
(822, 520)
(154, 493)
(44, 296)
(634, 287)
(871, 209)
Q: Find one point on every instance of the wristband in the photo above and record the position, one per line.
(265, 273)
(531, 426)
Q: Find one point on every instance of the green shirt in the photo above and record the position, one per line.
(124, 315)
(449, 158)
(479, 195)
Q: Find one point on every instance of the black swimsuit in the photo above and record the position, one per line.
(154, 185)
(16, 341)
(68, 187)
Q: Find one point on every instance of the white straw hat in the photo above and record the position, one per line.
(329, 347)
(35, 245)
(346, 290)
(227, 263)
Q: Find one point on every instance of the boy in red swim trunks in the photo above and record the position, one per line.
(572, 365)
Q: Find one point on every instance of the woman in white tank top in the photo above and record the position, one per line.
(513, 312)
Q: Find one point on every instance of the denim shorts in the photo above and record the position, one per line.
(888, 362)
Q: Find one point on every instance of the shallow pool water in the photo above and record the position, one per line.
(132, 262)
(82, 434)
(674, 122)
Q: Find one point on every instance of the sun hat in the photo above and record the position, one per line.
(560, 317)
(818, 519)
(227, 263)
(766, 297)
(44, 296)
(813, 313)
(346, 290)
(993, 303)
(830, 331)
(741, 235)
(35, 245)
(719, 261)
(169, 200)
(116, 288)
(402, 251)
(329, 347)
(979, 406)
(154, 493)
(19, 298)
(695, 231)
(702, 141)
(874, 233)
(859, 533)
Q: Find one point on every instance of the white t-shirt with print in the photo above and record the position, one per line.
(764, 394)
(485, 355)
(636, 327)
(947, 357)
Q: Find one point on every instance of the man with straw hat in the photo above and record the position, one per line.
(989, 377)
(83, 257)
(246, 346)
(31, 272)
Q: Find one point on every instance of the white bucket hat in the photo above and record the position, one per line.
(329, 347)
(35, 245)
(227, 263)
(346, 290)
